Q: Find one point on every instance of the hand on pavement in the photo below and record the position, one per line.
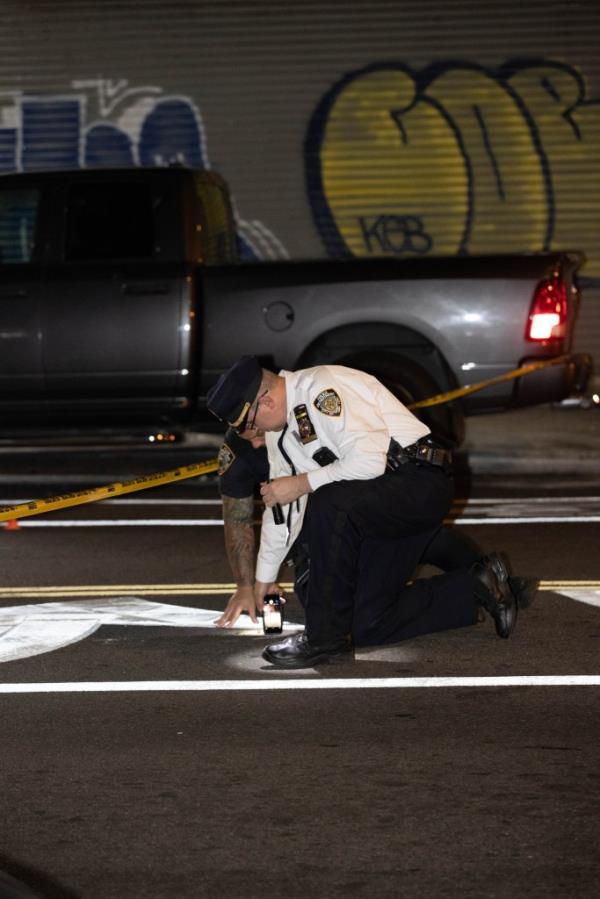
(241, 601)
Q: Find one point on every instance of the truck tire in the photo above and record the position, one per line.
(410, 383)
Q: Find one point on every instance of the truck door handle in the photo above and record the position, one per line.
(143, 288)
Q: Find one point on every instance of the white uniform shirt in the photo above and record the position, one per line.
(346, 411)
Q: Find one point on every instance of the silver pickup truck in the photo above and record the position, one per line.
(121, 299)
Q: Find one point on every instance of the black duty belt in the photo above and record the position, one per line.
(424, 452)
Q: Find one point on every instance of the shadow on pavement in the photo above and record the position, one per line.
(19, 881)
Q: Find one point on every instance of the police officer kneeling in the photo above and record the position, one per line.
(348, 463)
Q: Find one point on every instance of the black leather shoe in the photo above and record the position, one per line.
(297, 652)
(493, 592)
(524, 590)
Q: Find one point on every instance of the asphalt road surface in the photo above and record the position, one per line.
(145, 753)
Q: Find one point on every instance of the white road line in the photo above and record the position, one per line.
(359, 683)
(469, 512)
(528, 519)
(119, 522)
(541, 500)
(459, 506)
(212, 522)
(459, 501)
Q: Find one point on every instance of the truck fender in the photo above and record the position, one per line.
(410, 383)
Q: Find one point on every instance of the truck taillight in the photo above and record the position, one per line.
(548, 314)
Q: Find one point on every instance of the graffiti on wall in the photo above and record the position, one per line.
(103, 123)
(457, 159)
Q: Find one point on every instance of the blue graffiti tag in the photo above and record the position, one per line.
(52, 134)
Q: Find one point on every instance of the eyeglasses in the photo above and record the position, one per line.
(250, 425)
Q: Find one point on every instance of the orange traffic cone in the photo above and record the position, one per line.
(12, 525)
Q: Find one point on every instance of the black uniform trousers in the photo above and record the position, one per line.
(365, 539)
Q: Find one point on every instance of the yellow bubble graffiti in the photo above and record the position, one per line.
(459, 159)
(569, 131)
(508, 207)
(389, 166)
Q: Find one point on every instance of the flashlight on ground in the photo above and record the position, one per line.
(273, 614)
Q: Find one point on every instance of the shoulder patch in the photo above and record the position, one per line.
(329, 403)
(226, 458)
(306, 428)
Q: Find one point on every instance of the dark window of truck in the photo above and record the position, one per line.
(109, 221)
(18, 214)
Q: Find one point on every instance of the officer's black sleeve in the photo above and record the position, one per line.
(238, 481)
(241, 468)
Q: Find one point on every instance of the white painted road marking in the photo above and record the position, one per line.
(358, 683)
(591, 597)
(477, 511)
(459, 502)
(528, 519)
(31, 630)
(212, 522)
(118, 522)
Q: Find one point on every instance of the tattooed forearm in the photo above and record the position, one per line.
(238, 515)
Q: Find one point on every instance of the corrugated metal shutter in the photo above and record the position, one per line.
(342, 127)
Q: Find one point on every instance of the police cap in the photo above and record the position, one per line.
(231, 397)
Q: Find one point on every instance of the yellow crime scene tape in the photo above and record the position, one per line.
(499, 379)
(39, 506)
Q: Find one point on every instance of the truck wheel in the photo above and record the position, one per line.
(411, 383)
